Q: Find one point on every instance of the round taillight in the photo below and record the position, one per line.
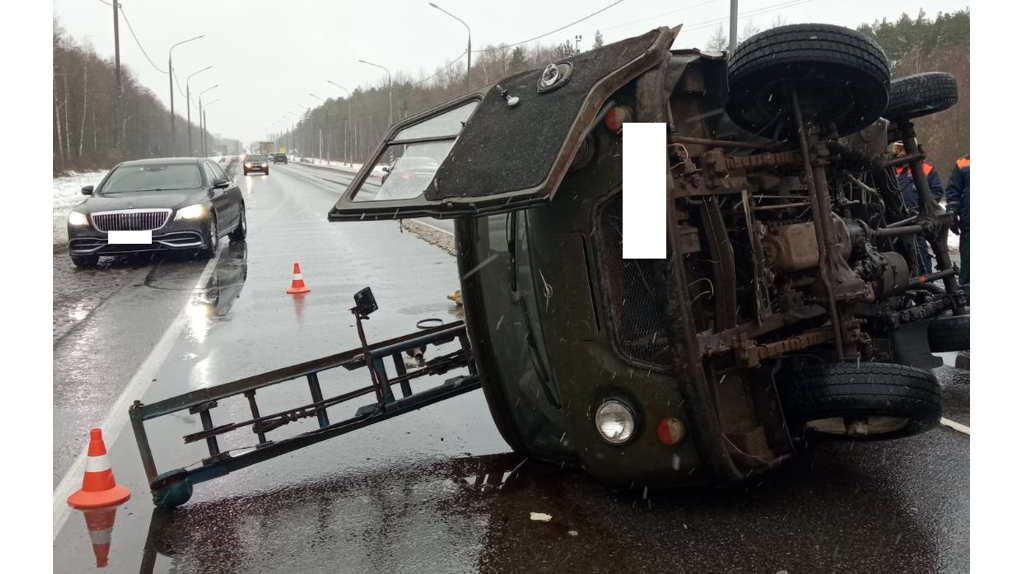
(617, 116)
(670, 431)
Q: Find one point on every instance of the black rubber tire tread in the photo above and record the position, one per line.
(921, 95)
(949, 334)
(864, 389)
(811, 52)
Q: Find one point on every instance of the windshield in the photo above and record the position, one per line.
(140, 178)
(256, 158)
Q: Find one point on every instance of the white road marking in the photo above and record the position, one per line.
(956, 426)
(118, 415)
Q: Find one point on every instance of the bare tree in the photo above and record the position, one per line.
(718, 41)
(598, 40)
(749, 29)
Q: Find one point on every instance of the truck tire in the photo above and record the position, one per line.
(921, 95)
(948, 334)
(881, 400)
(838, 72)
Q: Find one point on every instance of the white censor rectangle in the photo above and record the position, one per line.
(644, 168)
(130, 237)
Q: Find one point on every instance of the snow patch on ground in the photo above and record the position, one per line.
(67, 193)
(339, 165)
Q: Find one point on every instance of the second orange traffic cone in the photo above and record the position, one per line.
(298, 285)
(98, 486)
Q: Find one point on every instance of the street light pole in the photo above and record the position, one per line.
(188, 107)
(206, 127)
(201, 112)
(327, 111)
(348, 100)
(391, 103)
(469, 44)
(170, 74)
(734, 8)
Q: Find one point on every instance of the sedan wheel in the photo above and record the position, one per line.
(212, 240)
(241, 229)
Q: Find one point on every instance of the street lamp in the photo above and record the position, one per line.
(295, 122)
(327, 111)
(201, 108)
(170, 74)
(205, 128)
(469, 43)
(390, 99)
(348, 122)
(188, 106)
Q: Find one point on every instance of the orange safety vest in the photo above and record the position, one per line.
(927, 168)
(963, 162)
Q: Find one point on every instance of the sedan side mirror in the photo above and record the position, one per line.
(221, 183)
(87, 190)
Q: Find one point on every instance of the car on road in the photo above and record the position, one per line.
(280, 158)
(256, 162)
(407, 176)
(168, 204)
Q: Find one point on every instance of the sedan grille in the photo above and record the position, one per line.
(130, 221)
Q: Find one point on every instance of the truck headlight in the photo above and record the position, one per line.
(196, 211)
(615, 421)
(77, 218)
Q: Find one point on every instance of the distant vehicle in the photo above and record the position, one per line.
(155, 205)
(266, 148)
(411, 176)
(280, 158)
(256, 163)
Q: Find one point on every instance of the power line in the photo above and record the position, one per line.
(661, 15)
(756, 12)
(139, 44)
(587, 17)
(456, 60)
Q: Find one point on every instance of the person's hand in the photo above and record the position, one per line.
(954, 224)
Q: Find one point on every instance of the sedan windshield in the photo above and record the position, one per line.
(166, 177)
(255, 158)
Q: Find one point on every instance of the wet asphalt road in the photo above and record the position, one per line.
(436, 490)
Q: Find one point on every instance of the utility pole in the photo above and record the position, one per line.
(734, 9)
(119, 103)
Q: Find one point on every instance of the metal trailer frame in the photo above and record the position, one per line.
(174, 488)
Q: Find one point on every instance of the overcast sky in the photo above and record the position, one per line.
(269, 55)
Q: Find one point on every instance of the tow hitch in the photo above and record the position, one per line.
(174, 488)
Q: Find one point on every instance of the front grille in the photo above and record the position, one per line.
(635, 293)
(130, 221)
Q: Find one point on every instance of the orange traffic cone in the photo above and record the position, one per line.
(298, 285)
(100, 522)
(98, 486)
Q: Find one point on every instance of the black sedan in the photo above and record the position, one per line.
(156, 205)
(256, 162)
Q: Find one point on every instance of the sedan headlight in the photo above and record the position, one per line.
(77, 218)
(196, 211)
